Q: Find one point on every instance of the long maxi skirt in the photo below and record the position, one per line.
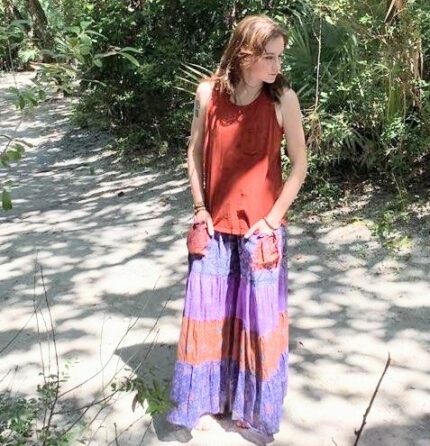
(232, 353)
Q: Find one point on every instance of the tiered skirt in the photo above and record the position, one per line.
(232, 353)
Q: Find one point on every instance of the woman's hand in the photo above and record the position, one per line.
(261, 227)
(203, 216)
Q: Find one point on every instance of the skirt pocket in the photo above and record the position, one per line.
(266, 253)
(264, 250)
(198, 239)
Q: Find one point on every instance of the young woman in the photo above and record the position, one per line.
(232, 356)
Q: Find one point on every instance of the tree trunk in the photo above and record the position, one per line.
(394, 9)
(11, 13)
(38, 17)
(8, 11)
(231, 16)
(410, 53)
(42, 37)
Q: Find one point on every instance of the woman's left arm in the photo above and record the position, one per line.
(296, 148)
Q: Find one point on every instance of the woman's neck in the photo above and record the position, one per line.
(246, 92)
(247, 88)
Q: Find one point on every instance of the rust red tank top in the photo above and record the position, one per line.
(242, 174)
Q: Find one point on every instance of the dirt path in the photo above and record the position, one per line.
(111, 244)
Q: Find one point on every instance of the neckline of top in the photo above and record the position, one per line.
(246, 105)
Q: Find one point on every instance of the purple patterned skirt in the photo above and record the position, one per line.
(233, 349)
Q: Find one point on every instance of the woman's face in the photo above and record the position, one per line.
(266, 67)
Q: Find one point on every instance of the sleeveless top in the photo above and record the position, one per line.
(242, 176)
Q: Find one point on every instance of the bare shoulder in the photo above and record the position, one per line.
(204, 91)
(290, 106)
(289, 98)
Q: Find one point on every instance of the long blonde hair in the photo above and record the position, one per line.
(248, 39)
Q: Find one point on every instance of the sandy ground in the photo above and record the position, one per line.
(112, 248)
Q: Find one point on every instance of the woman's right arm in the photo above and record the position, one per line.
(195, 151)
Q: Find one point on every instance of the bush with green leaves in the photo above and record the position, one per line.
(71, 50)
(27, 420)
(15, 48)
(361, 70)
(147, 105)
(355, 65)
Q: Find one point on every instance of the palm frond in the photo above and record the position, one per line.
(192, 74)
(201, 67)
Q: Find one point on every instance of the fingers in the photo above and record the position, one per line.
(197, 219)
(200, 217)
(260, 228)
(210, 226)
(250, 231)
(204, 217)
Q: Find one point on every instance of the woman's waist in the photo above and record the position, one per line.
(242, 195)
(239, 226)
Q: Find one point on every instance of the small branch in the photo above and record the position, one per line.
(42, 359)
(21, 141)
(358, 433)
(317, 87)
(127, 428)
(107, 398)
(116, 434)
(130, 326)
(36, 307)
(88, 407)
(10, 139)
(57, 386)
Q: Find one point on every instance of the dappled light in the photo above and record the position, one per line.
(108, 260)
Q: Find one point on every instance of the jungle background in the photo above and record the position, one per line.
(361, 70)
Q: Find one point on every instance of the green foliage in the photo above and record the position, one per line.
(155, 395)
(386, 225)
(72, 50)
(28, 97)
(17, 415)
(362, 75)
(20, 418)
(6, 199)
(13, 152)
(14, 45)
(141, 103)
(27, 53)
(369, 112)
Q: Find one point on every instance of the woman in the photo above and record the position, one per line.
(233, 350)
